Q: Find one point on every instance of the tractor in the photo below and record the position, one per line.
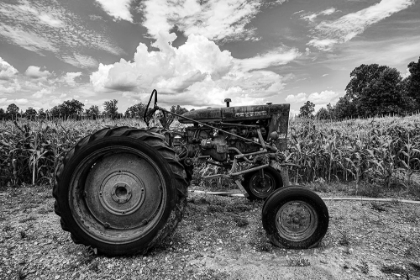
(123, 190)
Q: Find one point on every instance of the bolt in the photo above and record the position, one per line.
(106, 225)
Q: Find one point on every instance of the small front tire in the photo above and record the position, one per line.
(295, 218)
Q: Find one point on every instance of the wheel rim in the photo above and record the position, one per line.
(296, 220)
(262, 188)
(117, 194)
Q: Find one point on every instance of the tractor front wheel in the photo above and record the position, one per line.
(295, 218)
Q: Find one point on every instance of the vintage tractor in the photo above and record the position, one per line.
(122, 190)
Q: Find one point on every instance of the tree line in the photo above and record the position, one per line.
(74, 109)
(373, 90)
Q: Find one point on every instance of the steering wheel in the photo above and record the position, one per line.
(149, 113)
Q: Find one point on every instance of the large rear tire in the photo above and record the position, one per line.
(120, 190)
(259, 189)
(295, 218)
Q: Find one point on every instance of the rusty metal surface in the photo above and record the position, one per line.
(239, 113)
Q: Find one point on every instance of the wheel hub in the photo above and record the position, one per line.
(121, 193)
(296, 220)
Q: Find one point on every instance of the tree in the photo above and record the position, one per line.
(345, 108)
(307, 110)
(412, 83)
(376, 90)
(41, 114)
(55, 112)
(71, 108)
(323, 114)
(93, 112)
(111, 108)
(30, 113)
(136, 111)
(12, 111)
(2, 114)
(177, 110)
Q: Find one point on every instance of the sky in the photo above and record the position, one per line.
(196, 53)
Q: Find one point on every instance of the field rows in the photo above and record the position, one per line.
(383, 152)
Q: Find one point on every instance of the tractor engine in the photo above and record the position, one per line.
(266, 123)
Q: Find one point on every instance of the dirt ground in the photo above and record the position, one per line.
(219, 238)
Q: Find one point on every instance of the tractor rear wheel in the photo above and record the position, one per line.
(120, 190)
(259, 187)
(295, 218)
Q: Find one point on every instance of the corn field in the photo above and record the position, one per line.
(381, 151)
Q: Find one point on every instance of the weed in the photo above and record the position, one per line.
(298, 262)
(238, 208)
(240, 221)
(43, 211)
(378, 207)
(20, 274)
(393, 268)
(94, 266)
(344, 239)
(415, 265)
(364, 268)
(215, 208)
(7, 228)
(27, 219)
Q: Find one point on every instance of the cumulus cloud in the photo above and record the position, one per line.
(8, 86)
(300, 97)
(69, 78)
(119, 10)
(41, 93)
(197, 73)
(328, 33)
(216, 20)
(7, 71)
(319, 99)
(35, 72)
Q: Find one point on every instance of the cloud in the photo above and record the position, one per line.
(273, 58)
(26, 39)
(41, 93)
(119, 10)
(7, 71)
(300, 97)
(46, 26)
(328, 33)
(80, 61)
(69, 78)
(319, 99)
(35, 72)
(197, 73)
(216, 20)
(395, 52)
(8, 86)
(313, 16)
